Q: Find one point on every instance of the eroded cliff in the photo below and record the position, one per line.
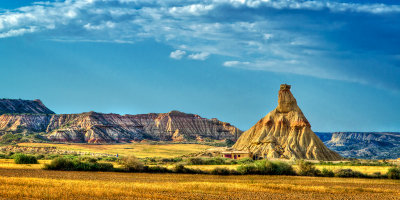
(284, 133)
(364, 145)
(95, 127)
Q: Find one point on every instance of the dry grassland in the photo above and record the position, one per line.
(40, 184)
(9, 164)
(364, 169)
(139, 150)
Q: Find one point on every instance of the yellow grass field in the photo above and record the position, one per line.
(138, 150)
(364, 169)
(41, 184)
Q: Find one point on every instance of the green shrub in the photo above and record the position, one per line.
(221, 171)
(3, 156)
(267, 168)
(167, 160)
(88, 159)
(195, 161)
(327, 173)
(60, 164)
(209, 161)
(307, 169)
(393, 173)
(131, 164)
(348, 173)
(378, 175)
(245, 161)
(247, 169)
(109, 159)
(51, 156)
(76, 165)
(10, 138)
(24, 159)
(157, 169)
(183, 170)
(283, 168)
(70, 156)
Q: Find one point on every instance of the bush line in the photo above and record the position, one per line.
(260, 167)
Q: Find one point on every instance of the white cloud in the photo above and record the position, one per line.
(178, 54)
(194, 9)
(199, 56)
(235, 63)
(101, 26)
(17, 32)
(268, 36)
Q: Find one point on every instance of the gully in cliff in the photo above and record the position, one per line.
(284, 133)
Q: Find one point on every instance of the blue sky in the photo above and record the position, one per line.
(215, 58)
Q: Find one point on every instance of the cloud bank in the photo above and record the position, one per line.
(348, 41)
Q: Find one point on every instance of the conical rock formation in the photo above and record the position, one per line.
(285, 133)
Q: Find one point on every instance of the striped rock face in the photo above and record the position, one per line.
(95, 127)
(285, 133)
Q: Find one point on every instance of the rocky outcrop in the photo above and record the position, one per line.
(14, 106)
(284, 133)
(364, 145)
(95, 127)
(24, 122)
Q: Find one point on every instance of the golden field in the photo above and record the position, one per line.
(31, 182)
(364, 169)
(137, 149)
(41, 184)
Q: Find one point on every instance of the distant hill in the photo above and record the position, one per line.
(17, 121)
(19, 106)
(365, 145)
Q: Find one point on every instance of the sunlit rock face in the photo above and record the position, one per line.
(95, 127)
(285, 133)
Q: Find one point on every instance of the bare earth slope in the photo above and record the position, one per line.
(285, 133)
(95, 127)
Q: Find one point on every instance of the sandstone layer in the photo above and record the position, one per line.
(285, 133)
(95, 127)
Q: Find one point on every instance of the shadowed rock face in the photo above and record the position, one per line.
(14, 106)
(364, 145)
(285, 133)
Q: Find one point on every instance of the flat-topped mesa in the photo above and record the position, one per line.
(19, 106)
(284, 133)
